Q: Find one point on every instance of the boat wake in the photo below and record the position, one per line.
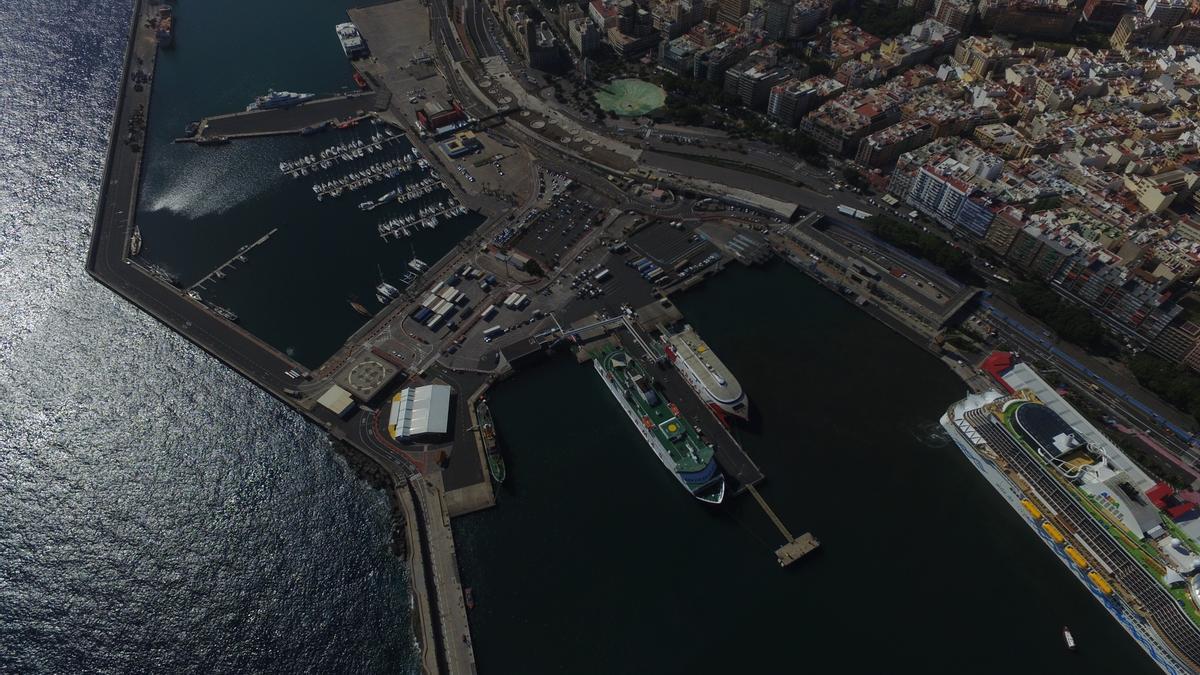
(931, 435)
(197, 189)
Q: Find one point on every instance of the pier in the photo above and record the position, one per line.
(794, 548)
(219, 271)
(293, 120)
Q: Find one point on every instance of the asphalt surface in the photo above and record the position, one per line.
(290, 120)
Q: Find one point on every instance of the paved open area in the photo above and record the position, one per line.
(292, 120)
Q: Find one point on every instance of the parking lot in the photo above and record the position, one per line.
(548, 234)
(669, 243)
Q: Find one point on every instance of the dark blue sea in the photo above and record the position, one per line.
(157, 512)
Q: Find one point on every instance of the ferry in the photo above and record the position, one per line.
(487, 431)
(706, 374)
(353, 44)
(278, 99)
(1068, 638)
(672, 438)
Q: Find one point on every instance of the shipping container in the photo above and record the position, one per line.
(654, 274)
(489, 313)
(422, 314)
(603, 275)
(435, 322)
(430, 300)
(639, 262)
(511, 300)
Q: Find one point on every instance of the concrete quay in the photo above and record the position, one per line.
(280, 121)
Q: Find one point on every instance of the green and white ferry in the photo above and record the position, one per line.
(669, 435)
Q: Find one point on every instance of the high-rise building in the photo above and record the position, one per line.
(732, 11)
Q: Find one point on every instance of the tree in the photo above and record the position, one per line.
(533, 268)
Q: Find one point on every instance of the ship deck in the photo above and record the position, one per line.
(739, 469)
(702, 361)
(667, 424)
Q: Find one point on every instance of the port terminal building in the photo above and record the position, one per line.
(420, 413)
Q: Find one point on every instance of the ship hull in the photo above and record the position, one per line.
(651, 440)
(1142, 633)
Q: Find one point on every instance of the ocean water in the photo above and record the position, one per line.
(157, 512)
(596, 555)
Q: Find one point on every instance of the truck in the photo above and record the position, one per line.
(488, 313)
(422, 314)
(493, 333)
(602, 276)
(653, 275)
(511, 301)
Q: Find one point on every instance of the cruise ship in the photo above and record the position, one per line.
(353, 44)
(278, 99)
(1083, 498)
(671, 437)
(701, 369)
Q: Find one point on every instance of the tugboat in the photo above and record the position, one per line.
(360, 80)
(191, 129)
(487, 430)
(1068, 638)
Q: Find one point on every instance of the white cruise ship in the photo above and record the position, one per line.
(706, 374)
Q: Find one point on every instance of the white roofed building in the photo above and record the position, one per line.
(420, 412)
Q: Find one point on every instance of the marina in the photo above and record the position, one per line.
(333, 155)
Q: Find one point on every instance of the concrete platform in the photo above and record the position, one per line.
(796, 549)
(251, 124)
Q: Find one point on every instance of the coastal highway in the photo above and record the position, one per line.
(479, 30)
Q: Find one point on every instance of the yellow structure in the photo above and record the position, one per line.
(1053, 532)
(1031, 508)
(1101, 584)
(1077, 557)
